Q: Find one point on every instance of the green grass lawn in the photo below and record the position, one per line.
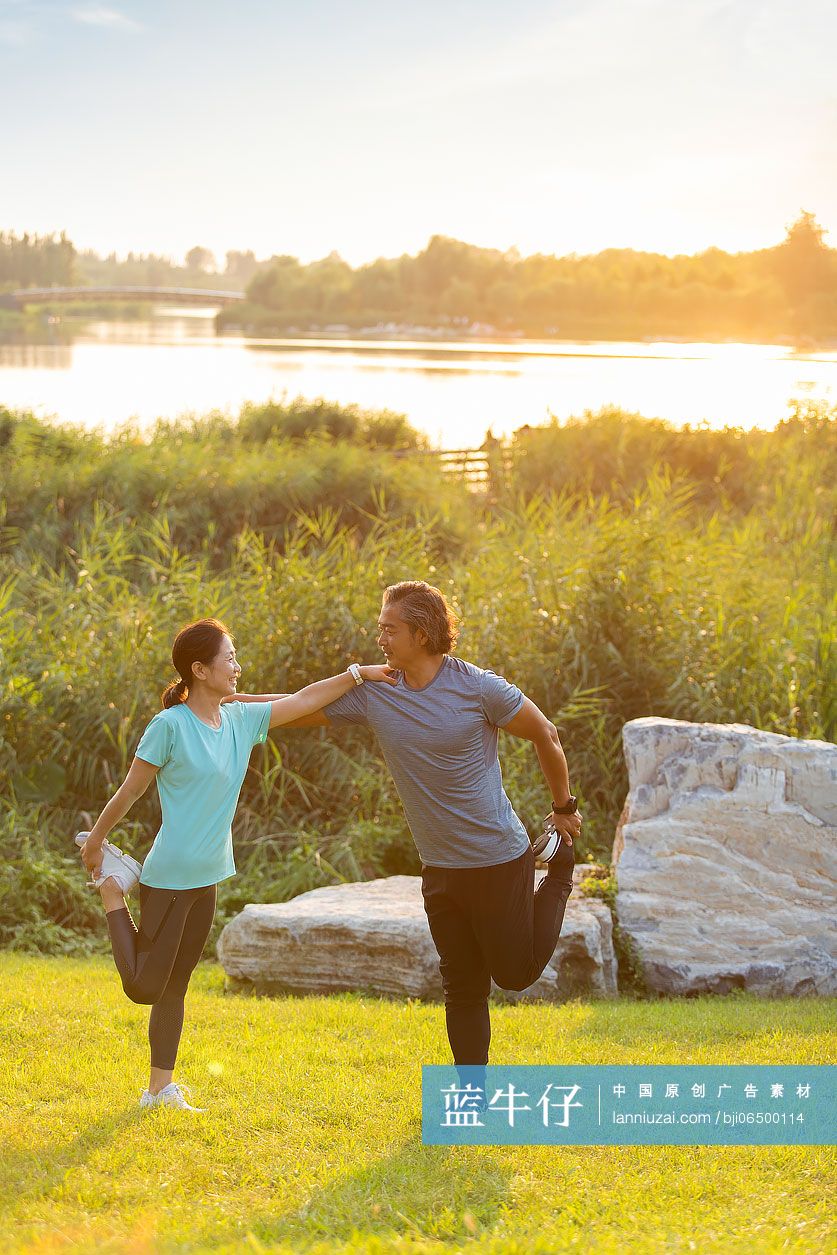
(312, 1137)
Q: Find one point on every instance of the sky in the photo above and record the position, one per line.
(306, 126)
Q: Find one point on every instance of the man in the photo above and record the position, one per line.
(438, 730)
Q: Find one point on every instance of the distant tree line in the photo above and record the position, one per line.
(786, 291)
(789, 290)
(199, 269)
(53, 261)
(36, 261)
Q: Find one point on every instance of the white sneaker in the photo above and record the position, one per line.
(547, 844)
(147, 1099)
(173, 1096)
(116, 864)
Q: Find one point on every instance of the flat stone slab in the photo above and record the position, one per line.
(726, 858)
(373, 936)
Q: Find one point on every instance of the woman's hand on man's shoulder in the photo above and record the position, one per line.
(379, 673)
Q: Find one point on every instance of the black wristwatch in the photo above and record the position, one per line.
(569, 808)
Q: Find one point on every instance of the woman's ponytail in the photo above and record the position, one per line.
(197, 642)
(174, 694)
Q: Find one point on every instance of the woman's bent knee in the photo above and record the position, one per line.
(144, 995)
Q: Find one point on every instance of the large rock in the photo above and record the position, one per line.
(373, 935)
(726, 860)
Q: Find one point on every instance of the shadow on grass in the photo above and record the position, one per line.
(442, 1192)
(32, 1173)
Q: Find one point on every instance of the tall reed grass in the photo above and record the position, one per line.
(636, 596)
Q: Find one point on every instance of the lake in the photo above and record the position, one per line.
(110, 372)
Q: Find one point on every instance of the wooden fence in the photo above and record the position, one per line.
(474, 467)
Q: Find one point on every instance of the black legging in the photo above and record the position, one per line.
(487, 922)
(157, 961)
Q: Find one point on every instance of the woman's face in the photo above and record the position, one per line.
(221, 675)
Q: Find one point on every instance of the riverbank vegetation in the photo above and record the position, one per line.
(43, 261)
(784, 293)
(40, 322)
(787, 293)
(616, 568)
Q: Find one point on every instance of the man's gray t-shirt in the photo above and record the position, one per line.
(440, 744)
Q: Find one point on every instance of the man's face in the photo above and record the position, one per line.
(400, 646)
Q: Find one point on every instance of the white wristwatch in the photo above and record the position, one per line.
(354, 672)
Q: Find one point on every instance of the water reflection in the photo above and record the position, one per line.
(174, 364)
(36, 356)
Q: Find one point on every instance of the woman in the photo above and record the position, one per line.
(198, 748)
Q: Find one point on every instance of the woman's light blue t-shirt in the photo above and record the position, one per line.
(201, 773)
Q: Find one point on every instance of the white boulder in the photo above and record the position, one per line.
(726, 860)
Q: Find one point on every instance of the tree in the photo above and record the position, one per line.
(241, 265)
(803, 263)
(200, 259)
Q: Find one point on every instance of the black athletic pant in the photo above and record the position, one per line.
(156, 961)
(487, 922)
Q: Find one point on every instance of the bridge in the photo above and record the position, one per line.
(177, 296)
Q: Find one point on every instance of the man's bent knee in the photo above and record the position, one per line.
(514, 981)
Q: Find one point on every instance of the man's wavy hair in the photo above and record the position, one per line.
(423, 606)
